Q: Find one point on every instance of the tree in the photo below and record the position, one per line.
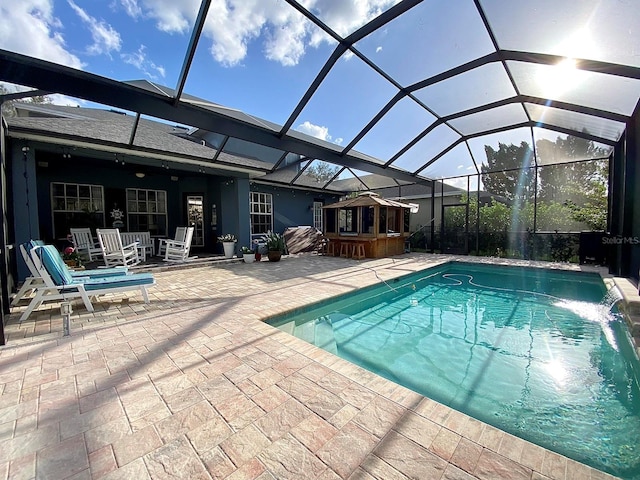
(507, 173)
(565, 175)
(322, 172)
(592, 211)
(571, 189)
(8, 107)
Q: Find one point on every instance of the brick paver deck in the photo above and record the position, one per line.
(195, 386)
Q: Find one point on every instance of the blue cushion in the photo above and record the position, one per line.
(52, 261)
(104, 283)
(33, 243)
(100, 272)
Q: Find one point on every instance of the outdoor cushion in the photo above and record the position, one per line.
(60, 274)
(94, 272)
(103, 283)
(52, 261)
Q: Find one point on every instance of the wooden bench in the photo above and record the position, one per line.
(145, 243)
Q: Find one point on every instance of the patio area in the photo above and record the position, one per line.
(195, 385)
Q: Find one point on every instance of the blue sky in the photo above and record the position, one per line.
(255, 55)
(260, 56)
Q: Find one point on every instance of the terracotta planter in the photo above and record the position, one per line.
(274, 255)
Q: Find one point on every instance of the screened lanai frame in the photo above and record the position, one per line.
(484, 82)
(536, 228)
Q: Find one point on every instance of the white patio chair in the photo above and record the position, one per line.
(180, 235)
(114, 252)
(84, 243)
(179, 251)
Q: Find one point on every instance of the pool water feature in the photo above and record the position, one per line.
(530, 351)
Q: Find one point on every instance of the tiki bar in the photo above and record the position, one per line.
(366, 226)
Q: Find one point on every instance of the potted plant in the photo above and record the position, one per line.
(247, 255)
(71, 257)
(275, 246)
(228, 241)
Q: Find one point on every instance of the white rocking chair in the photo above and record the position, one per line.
(177, 251)
(84, 243)
(181, 233)
(113, 252)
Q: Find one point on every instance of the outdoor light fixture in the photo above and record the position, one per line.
(25, 149)
(140, 174)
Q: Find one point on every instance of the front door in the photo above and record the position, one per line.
(195, 218)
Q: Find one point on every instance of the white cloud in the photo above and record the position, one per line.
(139, 60)
(172, 16)
(55, 98)
(30, 27)
(282, 34)
(105, 38)
(315, 130)
(346, 16)
(132, 8)
(318, 131)
(58, 99)
(460, 182)
(378, 49)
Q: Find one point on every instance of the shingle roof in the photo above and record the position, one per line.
(114, 128)
(367, 199)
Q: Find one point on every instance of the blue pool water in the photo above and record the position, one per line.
(529, 351)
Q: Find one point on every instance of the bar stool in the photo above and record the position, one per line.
(331, 248)
(357, 252)
(344, 250)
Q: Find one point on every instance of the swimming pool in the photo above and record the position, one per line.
(522, 349)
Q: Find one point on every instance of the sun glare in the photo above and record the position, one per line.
(556, 370)
(558, 79)
(565, 75)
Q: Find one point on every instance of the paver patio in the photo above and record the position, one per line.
(194, 385)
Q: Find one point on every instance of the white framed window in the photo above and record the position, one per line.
(261, 212)
(147, 211)
(317, 215)
(76, 205)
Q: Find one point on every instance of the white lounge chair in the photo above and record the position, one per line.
(59, 285)
(177, 251)
(181, 233)
(114, 252)
(35, 280)
(84, 243)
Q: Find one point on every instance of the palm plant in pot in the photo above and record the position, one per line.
(275, 246)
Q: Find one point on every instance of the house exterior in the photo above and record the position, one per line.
(83, 167)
